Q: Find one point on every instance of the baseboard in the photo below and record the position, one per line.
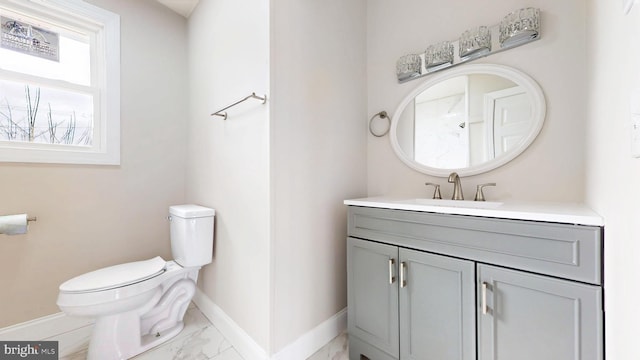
(56, 324)
(302, 348)
(239, 339)
(314, 340)
(44, 327)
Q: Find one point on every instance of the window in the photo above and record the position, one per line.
(59, 82)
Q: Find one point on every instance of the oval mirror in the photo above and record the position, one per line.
(470, 120)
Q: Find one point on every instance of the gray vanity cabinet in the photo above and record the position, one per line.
(530, 317)
(397, 295)
(373, 297)
(426, 286)
(437, 307)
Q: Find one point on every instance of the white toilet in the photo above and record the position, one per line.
(141, 304)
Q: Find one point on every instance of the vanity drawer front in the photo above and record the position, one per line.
(563, 250)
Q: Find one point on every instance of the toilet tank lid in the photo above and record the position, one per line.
(115, 276)
(191, 211)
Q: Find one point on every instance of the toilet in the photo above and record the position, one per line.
(141, 304)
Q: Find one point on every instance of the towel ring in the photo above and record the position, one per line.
(382, 115)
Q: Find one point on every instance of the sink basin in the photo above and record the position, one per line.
(459, 203)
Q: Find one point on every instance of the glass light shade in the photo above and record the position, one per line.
(519, 26)
(475, 42)
(439, 54)
(408, 66)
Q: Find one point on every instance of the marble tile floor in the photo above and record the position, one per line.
(336, 349)
(199, 340)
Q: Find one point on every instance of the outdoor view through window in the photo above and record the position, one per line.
(46, 93)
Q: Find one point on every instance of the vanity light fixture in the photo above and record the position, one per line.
(438, 56)
(517, 28)
(408, 66)
(475, 43)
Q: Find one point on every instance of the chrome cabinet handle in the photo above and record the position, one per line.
(403, 281)
(392, 278)
(484, 298)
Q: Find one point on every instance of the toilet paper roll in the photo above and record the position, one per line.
(13, 224)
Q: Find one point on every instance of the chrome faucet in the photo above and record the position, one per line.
(436, 190)
(457, 188)
(479, 193)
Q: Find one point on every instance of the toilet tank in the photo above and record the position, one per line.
(191, 229)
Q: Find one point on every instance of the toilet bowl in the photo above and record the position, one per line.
(139, 305)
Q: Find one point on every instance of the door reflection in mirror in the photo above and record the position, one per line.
(465, 121)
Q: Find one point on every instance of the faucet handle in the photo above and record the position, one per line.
(436, 191)
(479, 193)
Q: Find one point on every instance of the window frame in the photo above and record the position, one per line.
(104, 30)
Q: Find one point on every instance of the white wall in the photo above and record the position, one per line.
(552, 168)
(278, 179)
(318, 156)
(228, 161)
(612, 174)
(586, 63)
(95, 216)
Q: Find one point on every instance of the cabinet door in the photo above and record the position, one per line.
(372, 295)
(531, 317)
(437, 307)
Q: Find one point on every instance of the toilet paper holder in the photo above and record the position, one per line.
(15, 224)
(29, 218)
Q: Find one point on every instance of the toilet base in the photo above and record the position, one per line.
(125, 335)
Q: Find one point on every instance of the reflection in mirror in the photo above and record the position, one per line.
(464, 121)
(470, 122)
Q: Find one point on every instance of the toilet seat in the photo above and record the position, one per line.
(89, 303)
(115, 276)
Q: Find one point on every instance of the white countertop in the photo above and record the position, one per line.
(571, 213)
